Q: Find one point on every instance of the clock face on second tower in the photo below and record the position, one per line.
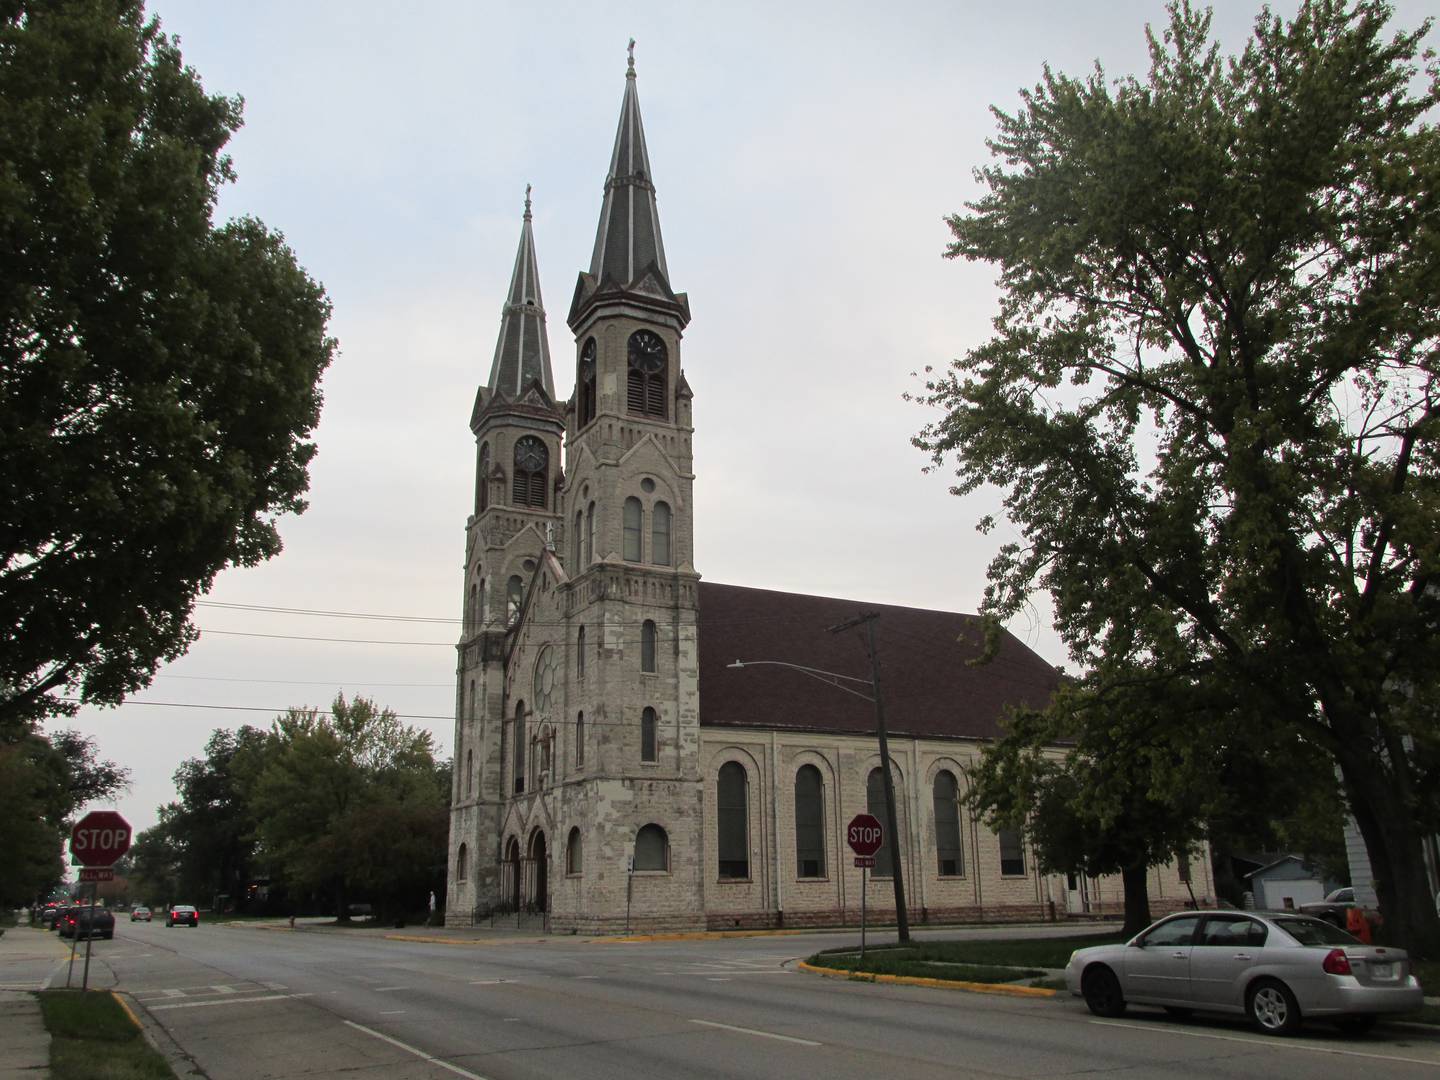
(547, 673)
(530, 454)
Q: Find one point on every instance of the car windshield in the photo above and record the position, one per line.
(1314, 931)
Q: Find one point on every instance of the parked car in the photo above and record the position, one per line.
(141, 914)
(1334, 908)
(86, 921)
(1274, 967)
(50, 915)
(181, 915)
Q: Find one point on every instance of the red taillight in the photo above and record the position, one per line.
(1336, 963)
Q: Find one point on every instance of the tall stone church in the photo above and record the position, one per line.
(613, 768)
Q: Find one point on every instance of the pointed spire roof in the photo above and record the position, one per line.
(629, 255)
(522, 353)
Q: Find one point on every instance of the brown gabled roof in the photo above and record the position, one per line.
(928, 688)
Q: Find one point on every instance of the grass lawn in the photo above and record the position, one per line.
(93, 1038)
(964, 961)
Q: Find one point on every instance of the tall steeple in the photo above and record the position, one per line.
(522, 353)
(629, 257)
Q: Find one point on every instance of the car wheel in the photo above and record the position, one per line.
(1102, 992)
(1273, 1007)
(1356, 1025)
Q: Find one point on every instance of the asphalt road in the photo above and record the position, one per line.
(245, 1003)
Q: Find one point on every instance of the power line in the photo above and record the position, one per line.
(251, 708)
(311, 682)
(323, 613)
(306, 637)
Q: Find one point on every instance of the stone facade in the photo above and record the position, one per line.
(611, 769)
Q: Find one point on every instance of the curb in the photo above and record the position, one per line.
(1002, 989)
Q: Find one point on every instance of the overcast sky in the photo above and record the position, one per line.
(805, 156)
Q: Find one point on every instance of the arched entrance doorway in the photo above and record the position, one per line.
(541, 861)
(512, 867)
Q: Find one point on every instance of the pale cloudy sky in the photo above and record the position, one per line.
(804, 154)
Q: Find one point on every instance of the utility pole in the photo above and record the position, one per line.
(902, 917)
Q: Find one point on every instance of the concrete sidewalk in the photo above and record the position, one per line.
(29, 957)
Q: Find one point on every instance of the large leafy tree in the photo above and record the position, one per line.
(354, 800)
(158, 374)
(1211, 397)
(44, 781)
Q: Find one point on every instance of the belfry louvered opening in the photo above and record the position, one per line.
(645, 383)
(532, 461)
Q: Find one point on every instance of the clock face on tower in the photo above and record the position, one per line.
(547, 678)
(530, 454)
(647, 352)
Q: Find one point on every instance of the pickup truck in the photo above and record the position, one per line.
(1333, 908)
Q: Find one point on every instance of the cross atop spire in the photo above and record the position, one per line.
(527, 202)
(630, 65)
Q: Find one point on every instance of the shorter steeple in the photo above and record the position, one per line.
(522, 353)
(629, 255)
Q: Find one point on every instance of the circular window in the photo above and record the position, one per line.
(528, 566)
(647, 485)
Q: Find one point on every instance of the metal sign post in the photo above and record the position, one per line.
(89, 936)
(863, 890)
(629, 885)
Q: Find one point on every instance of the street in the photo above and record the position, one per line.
(246, 1002)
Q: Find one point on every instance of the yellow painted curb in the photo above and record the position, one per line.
(1005, 989)
(128, 1011)
(697, 935)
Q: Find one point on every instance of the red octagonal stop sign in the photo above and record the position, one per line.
(99, 838)
(864, 834)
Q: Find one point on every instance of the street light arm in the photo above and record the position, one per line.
(829, 678)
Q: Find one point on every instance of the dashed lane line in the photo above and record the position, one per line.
(224, 1001)
(414, 1050)
(754, 1031)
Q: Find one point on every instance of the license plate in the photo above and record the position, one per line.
(1382, 971)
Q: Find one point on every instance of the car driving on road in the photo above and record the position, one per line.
(1275, 968)
(141, 914)
(181, 915)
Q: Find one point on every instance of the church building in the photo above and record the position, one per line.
(614, 766)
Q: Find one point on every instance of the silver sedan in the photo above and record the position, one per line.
(1275, 968)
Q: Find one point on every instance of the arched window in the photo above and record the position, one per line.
(514, 598)
(573, 852)
(647, 647)
(732, 826)
(532, 467)
(521, 747)
(633, 518)
(585, 382)
(948, 853)
(589, 535)
(580, 741)
(462, 864)
(580, 654)
(652, 849)
(469, 772)
(474, 701)
(875, 805)
(660, 534)
(472, 618)
(809, 823)
(1012, 852)
(648, 723)
(482, 478)
(577, 542)
(645, 384)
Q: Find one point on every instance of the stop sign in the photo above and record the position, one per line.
(99, 838)
(864, 834)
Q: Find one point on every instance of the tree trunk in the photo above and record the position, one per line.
(1395, 847)
(1136, 880)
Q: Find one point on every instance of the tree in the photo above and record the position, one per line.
(214, 824)
(158, 375)
(1211, 400)
(43, 782)
(353, 800)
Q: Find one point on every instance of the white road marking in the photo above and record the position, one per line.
(717, 978)
(512, 1020)
(1274, 1044)
(393, 1012)
(224, 1001)
(174, 993)
(489, 982)
(414, 1050)
(224, 989)
(762, 1034)
(273, 986)
(587, 976)
(387, 989)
